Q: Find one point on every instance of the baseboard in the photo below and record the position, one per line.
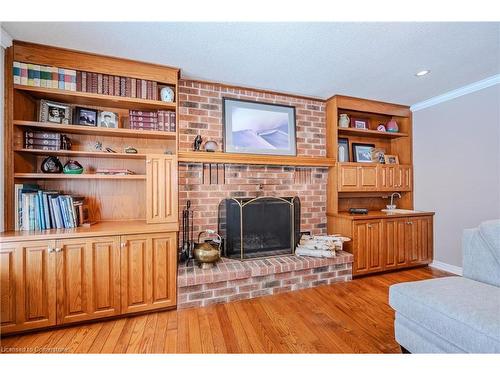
(446, 267)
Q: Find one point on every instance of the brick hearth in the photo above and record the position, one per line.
(232, 280)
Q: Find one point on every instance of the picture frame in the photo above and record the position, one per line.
(359, 123)
(108, 119)
(391, 159)
(258, 128)
(362, 152)
(55, 112)
(85, 116)
(343, 150)
(378, 155)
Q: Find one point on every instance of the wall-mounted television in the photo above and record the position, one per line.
(258, 128)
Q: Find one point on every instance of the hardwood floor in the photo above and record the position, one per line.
(351, 317)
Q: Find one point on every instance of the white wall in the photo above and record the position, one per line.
(457, 166)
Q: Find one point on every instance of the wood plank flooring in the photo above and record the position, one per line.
(351, 317)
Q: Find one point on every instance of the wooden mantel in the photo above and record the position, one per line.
(254, 159)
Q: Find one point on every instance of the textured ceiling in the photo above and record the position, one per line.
(370, 60)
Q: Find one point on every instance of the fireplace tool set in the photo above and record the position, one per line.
(187, 253)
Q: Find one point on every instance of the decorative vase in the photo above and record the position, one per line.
(72, 167)
(51, 165)
(344, 120)
(392, 126)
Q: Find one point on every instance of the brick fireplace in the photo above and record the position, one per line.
(206, 185)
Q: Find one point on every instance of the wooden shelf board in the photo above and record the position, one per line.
(103, 228)
(92, 130)
(93, 154)
(87, 98)
(83, 176)
(228, 158)
(369, 133)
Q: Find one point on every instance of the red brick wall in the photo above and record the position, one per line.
(200, 112)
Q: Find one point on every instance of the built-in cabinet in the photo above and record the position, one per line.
(356, 177)
(53, 282)
(161, 189)
(387, 243)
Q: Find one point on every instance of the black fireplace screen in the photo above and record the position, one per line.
(259, 227)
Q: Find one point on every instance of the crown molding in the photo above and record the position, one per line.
(476, 86)
(5, 38)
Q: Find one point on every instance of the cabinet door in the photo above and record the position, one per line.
(403, 180)
(348, 178)
(386, 177)
(149, 272)
(161, 189)
(87, 278)
(368, 177)
(28, 286)
(421, 247)
(394, 243)
(367, 249)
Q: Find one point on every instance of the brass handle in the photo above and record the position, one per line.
(58, 249)
(369, 225)
(148, 161)
(50, 250)
(123, 244)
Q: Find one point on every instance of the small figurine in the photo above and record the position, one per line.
(197, 143)
(98, 146)
(65, 142)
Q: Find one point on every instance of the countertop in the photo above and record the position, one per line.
(380, 215)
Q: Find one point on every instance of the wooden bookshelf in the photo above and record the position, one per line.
(104, 192)
(83, 176)
(87, 98)
(228, 158)
(93, 130)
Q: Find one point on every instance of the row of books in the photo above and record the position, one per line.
(44, 76)
(105, 84)
(41, 140)
(152, 120)
(75, 80)
(43, 209)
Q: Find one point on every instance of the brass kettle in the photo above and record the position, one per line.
(205, 253)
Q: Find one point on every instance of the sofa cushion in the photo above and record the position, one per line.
(462, 311)
(481, 248)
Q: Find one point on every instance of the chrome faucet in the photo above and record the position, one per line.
(393, 206)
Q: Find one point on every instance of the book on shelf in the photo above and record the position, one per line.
(152, 120)
(114, 171)
(38, 209)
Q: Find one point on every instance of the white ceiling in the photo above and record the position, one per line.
(370, 60)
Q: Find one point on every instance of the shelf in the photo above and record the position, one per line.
(228, 158)
(370, 133)
(83, 176)
(93, 154)
(87, 98)
(93, 130)
(103, 228)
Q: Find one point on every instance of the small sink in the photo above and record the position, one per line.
(399, 211)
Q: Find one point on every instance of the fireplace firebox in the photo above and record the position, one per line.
(259, 227)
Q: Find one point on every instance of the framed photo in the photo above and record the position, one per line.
(55, 112)
(86, 116)
(107, 119)
(362, 152)
(391, 159)
(378, 155)
(343, 146)
(359, 123)
(258, 128)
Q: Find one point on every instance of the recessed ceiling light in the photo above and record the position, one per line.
(422, 73)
